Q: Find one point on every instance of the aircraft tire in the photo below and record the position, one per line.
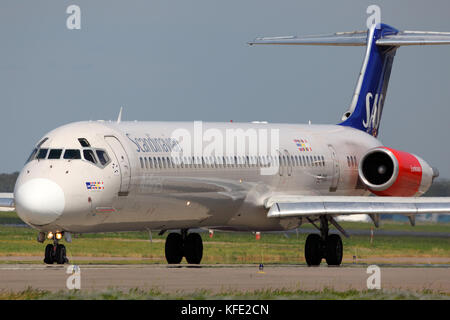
(334, 250)
(313, 250)
(174, 248)
(60, 256)
(48, 258)
(193, 248)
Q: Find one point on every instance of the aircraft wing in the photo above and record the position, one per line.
(7, 202)
(315, 206)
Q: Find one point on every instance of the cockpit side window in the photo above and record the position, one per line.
(33, 153)
(102, 157)
(35, 150)
(72, 154)
(55, 154)
(89, 155)
(42, 153)
(84, 143)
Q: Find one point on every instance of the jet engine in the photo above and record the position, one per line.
(390, 172)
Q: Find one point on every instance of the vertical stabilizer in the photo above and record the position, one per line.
(370, 92)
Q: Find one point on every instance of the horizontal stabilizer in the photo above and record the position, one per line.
(415, 38)
(359, 38)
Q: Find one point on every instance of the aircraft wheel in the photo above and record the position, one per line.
(174, 248)
(313, 250)
(48, 258)
(193, 248)
(60, 254)
(334, 250)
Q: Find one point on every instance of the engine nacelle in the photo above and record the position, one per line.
(389, 172)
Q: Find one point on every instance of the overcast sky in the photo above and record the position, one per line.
(189, 60)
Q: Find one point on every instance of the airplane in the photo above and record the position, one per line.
(110, 176)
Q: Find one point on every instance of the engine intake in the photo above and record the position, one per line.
(390, 172)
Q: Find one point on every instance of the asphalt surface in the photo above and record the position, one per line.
(218, 278)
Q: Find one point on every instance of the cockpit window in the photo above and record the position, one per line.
(102, 157)
(55, 154)
(84, 143)
(72, 154)
(35, 150)
(42, 153)
(89, 156)
(33, 153)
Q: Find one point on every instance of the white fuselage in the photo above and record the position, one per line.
(147, 184)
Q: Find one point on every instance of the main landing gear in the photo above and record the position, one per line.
(185, 245)
(55, 252)
(324, 245)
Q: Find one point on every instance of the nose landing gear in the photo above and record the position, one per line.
(185, 245)
(55, 252)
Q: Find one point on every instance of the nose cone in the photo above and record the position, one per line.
(39, 201)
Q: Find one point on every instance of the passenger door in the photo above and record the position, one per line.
(124, 163)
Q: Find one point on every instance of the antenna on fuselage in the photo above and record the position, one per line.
(119, 118)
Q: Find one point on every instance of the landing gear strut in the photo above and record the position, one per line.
(55, 253)
(185, 245)
(324, 245)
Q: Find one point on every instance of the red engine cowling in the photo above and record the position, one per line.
(389, 172)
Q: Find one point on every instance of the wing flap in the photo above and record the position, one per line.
(287, 207)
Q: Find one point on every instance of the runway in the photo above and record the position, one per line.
(219, 278)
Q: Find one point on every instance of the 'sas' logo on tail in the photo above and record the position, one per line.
(372, 111)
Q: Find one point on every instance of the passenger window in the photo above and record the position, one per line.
(142, 162)
(146, 162)
(159, 163)
(42, 154)
(55, 154)
(102, 157)
(72, 154)
(87, 154)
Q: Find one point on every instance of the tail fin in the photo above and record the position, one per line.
(382, 41)
(370, 92)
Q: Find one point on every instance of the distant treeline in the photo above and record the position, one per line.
(7, 181)
(440, 188)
